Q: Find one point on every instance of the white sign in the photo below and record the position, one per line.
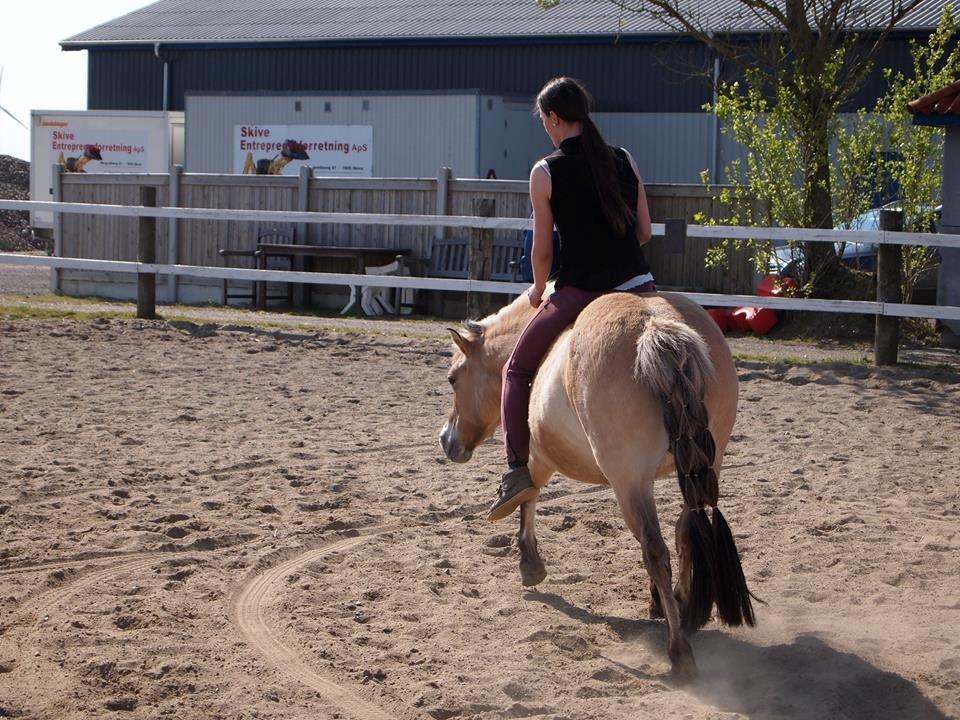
(118, 150)
(337, 150)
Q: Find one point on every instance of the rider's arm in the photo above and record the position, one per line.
(541, 256)
(643, 211)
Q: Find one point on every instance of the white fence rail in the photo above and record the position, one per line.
(733, 232)
(428, 283)
(491, 286)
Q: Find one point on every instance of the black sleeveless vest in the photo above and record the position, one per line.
(592, 255)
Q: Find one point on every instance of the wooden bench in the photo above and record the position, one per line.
(271, 235)
(450, 257)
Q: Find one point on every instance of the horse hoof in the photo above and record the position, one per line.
(683, 668)
(656, 612)
(684, 672)
(532, 573)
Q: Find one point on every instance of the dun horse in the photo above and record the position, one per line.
(640, 384)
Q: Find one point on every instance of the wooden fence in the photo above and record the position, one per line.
(196, 242)
(887, 307)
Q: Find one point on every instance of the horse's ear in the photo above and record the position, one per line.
(462, 341)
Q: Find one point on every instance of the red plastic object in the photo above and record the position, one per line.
(740, 318)
(756, 320)
(763, 320)
(721, 316)
(775, 286)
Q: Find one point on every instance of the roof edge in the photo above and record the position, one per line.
(70, 45)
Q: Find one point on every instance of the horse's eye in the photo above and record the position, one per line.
(451, 379)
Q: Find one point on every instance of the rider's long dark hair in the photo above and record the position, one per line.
(570, 101)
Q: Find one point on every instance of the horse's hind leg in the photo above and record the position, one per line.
(640, 513)
(532, 569)
(656, 607)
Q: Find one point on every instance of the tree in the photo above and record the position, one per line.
(813, 58)
(875, 152)
(916, 163)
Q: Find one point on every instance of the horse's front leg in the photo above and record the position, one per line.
(532, 569)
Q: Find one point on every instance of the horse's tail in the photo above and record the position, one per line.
(673, 360)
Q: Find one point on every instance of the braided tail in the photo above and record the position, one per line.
(674, 361)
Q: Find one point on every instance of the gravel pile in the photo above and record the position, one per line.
(15, 185)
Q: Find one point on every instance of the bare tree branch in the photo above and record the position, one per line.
(810, 31)
(899, 10)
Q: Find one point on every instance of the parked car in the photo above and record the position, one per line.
(787, 259)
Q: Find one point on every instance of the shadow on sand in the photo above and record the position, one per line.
(803, 680)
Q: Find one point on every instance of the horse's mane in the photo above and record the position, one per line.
(508, 321)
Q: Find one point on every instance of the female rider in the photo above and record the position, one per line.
(594, 195)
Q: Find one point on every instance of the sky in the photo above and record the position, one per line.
(37, 74)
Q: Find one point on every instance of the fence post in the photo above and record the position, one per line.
(57, 180)
(173, 233)
(889, 261)
(675, 235)
(443, 198)
(303, 201)
(147, 253)
(480, 258)
(300, 293)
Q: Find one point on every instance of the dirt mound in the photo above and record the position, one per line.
(15, 185)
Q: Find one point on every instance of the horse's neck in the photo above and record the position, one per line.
(277, 166)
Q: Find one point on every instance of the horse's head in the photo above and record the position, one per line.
(294, 150)
(475, 377)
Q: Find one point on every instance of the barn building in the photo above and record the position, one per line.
(460, 72)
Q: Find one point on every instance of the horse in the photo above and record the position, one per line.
(639, 385)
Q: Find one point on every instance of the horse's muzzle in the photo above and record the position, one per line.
(451, 445)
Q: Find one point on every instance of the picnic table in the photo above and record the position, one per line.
(363, 258)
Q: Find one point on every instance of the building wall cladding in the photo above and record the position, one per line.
(623, 78)
(626, 76)
(447, 129)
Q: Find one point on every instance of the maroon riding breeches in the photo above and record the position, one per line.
(552, 317)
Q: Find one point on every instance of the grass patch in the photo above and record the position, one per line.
(32, 312)
(50, 298)
(335, 315)
(181, 313)
(792, 361)
(940, 367)
(795, 360)
(353, 330)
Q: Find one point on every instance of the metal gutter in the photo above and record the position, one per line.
(166, 77)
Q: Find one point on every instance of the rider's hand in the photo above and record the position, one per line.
(535, 296)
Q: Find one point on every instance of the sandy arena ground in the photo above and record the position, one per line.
(208, 522)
